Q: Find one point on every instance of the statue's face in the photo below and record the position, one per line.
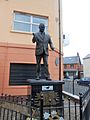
(41, 27)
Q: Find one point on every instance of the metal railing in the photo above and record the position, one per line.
(71, 108)
(14, 107)
(22, 108)
(85, 101)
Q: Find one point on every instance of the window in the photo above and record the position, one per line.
(65, 66)
(71, 66)
(63, 36)
(28, 23)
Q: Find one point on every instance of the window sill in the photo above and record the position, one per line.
(20, 32)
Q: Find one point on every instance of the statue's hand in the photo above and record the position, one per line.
(53, 49)
(33, 40)
(33, 34)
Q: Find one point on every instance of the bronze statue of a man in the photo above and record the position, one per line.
(42, 40)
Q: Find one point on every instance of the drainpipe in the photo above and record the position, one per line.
(59, 14)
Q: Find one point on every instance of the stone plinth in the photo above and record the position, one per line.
(51, 90)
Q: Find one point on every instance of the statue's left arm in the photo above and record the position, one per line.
(51, 44)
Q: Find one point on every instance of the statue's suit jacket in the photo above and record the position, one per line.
(42, 40)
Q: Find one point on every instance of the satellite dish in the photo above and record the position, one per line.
(66, 40)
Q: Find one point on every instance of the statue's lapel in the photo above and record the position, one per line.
(42, 36)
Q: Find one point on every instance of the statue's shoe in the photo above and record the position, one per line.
(37, 78)
(48, 78)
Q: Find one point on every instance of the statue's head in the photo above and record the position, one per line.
(41, 27)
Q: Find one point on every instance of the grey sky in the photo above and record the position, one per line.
(76, 22)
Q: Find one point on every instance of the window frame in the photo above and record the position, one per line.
(31, 23)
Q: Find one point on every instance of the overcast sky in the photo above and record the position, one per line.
(76, 23)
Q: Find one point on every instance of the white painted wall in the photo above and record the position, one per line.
(86, 67)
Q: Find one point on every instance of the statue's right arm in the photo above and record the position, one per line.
(33, 39)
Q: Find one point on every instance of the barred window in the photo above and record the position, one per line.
(28, 23)
(20, 72)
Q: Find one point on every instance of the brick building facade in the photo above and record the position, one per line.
(18, 20)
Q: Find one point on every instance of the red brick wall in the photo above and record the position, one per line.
(14, 53)
(75, 66)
